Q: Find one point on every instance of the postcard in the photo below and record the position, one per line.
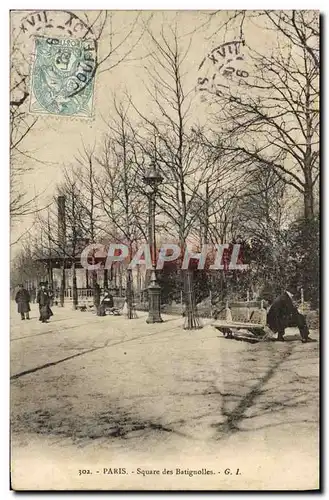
(165, 242)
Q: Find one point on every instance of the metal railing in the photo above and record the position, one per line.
(82, 292)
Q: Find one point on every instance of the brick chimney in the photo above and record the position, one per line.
(61, 221)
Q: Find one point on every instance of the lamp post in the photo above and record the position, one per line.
(62, 243)
(153, 180)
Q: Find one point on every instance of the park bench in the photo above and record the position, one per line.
(250, 332)
(247, 330)
(85, 307)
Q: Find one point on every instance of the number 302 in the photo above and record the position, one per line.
(84, 471)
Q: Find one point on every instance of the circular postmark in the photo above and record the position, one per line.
(64, 61)
(223, 69)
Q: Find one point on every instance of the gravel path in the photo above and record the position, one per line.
(92, 393)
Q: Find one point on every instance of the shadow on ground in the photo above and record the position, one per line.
(209, 393)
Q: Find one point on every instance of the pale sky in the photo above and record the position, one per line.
(55, 141)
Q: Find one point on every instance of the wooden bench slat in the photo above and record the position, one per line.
(239, 326)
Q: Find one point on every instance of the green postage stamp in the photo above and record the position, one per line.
(62, 81)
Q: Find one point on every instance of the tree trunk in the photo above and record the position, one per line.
(50, 275)
(114, 273)
(95, 290)
(62, 289)
(106, 278)
(138, 279)
(120, 280)
(308, 201)
(74, 286)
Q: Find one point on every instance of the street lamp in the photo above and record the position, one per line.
(153, 180)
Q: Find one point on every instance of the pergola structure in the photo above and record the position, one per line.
(60, 268)
(62, 261)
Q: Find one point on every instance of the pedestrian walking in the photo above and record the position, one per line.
(23, 302)
(43, 300)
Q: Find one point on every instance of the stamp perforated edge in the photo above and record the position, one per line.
(47, 114)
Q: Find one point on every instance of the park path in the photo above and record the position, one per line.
(92, 393)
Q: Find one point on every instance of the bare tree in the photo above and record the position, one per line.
(68, 246)
(88, 179)
(116, 43)
(260, 217)
(168, 135)
(260, 209)
(271, 117)
(26, 268)
(119, 190)
(21, 124)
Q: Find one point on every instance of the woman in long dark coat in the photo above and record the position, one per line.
(23, 302)
(43, 300)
